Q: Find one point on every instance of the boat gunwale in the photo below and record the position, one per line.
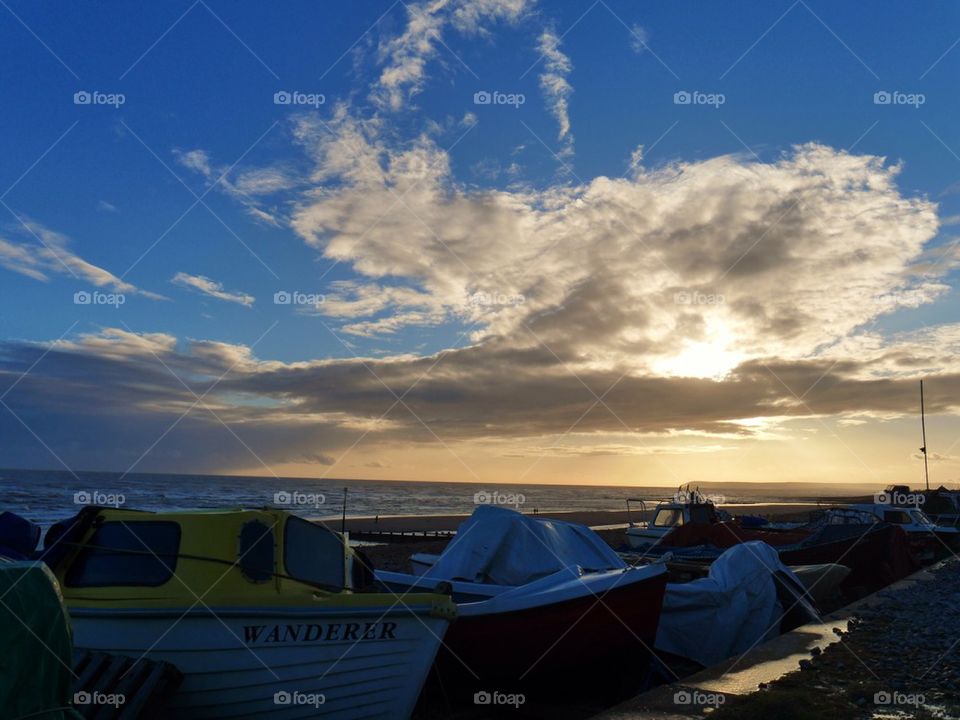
(398, 607)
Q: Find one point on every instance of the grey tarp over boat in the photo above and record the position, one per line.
(35, 666)
(503, 547)
(732, 609)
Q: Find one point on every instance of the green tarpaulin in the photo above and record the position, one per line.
(36, 658)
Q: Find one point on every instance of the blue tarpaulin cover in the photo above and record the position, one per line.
(726, 613)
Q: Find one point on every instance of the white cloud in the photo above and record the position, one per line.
(245, 186)
(555, 86)
(212, 288)
(405, 57)
(196, 160)
(690, 269)
(264, 181)
(39, 253)
(639, 37)
(263, 216)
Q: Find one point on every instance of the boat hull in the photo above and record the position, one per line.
(877, 555)
(277, 663)
(644, 538)
(579, 628)
(530, 646)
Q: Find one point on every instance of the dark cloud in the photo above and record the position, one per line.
(110, 412)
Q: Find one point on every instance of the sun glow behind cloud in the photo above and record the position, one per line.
(713, 357)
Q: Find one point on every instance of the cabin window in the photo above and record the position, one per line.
(313, 554)
(668, 518)
(896, 516)
(127, 553)
(256, 551)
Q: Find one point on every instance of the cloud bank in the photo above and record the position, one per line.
(715, 299)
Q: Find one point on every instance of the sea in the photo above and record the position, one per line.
(46, 496)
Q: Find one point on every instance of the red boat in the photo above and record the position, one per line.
(538, 600)
(876, 554)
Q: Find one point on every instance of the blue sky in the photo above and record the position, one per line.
(198, 198)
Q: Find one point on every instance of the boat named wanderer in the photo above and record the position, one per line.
(262, 611)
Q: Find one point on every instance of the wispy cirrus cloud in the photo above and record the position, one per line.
(38, 252)
(249, 186)
(639, 37)
(404, 58)
(556, 87)
(211, 288)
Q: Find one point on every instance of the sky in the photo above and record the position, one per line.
(481, 240)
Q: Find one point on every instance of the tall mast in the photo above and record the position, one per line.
(923, 428)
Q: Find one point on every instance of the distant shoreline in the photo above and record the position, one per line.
(798, 485)
(591, 518)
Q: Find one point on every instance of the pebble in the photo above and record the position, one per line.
(900, 646)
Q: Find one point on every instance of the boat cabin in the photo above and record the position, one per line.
(121, 558)
(911, 519)
(928, 540)
(685, 509)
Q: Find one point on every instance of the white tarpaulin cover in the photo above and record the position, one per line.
(503, 547)
(728, 611)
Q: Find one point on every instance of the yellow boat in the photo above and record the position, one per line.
(262, 611)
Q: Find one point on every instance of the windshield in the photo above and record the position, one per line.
(900, 517)
(313, 554)
(668, 517)
(920, 517)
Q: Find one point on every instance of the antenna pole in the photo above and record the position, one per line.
(923, 429)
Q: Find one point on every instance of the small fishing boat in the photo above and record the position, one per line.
(264, 613)
(942, 506)
(538, 599)
(927, 539)
(685, 507)
(876, 552)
